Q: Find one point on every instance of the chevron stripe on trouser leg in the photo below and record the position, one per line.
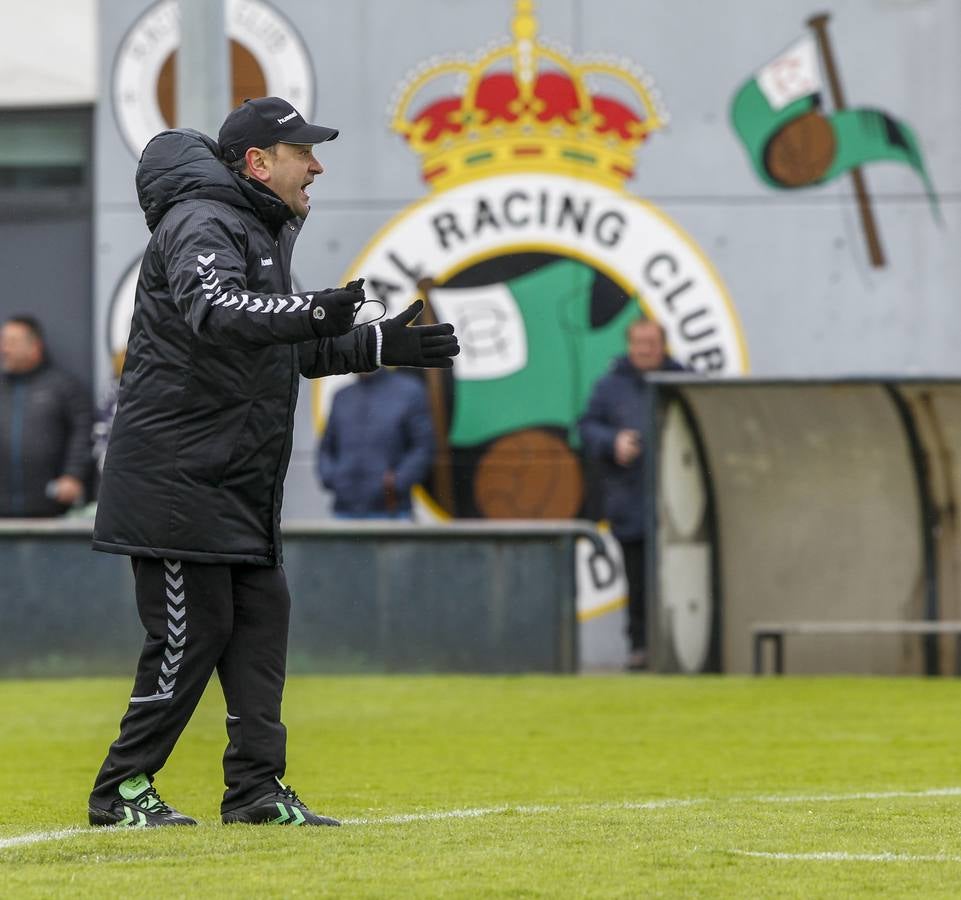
(186, 609)
(252, 671)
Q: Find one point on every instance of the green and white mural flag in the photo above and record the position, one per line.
(529, 355)
(791, 143)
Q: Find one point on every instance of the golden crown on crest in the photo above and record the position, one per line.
(527, 106)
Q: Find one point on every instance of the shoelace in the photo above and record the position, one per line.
(151, 801)
(291, 795)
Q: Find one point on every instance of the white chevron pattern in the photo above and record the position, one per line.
(176, 631)
(208, 276)
(257, 305)
(214, 291)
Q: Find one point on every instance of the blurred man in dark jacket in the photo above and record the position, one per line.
(613, 430)
(45, 423)
(379, 443)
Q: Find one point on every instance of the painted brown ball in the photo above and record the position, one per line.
(802, 151)
(529, 474)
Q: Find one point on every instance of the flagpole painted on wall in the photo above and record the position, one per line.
(443, 469)
(819, 24)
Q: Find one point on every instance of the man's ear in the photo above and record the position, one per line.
(258, 165)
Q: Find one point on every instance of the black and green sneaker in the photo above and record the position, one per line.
(279, 807)
(138, 806)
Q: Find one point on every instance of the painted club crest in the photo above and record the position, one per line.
(267, 56)
(531, 245)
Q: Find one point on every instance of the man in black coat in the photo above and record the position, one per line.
(613, 429)
(45, 424)
(194, 470)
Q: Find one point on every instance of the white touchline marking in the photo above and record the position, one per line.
(664, 803)
(477, 812)
(838, 856)
(864, 795)
(654, 804)
(403, 818)
(37, 837)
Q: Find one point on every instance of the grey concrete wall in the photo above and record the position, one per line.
(802, 295)
(793, 262)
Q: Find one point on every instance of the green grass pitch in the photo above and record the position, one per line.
(608, 786)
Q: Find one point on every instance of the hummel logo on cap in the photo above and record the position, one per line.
(264, 122)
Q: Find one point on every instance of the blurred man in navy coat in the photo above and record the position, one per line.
(378, 444)
(613, 430)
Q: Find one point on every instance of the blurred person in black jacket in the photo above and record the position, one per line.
(614, 431)
(45, 422)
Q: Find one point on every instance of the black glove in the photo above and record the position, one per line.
(424, 346)
(333, 311)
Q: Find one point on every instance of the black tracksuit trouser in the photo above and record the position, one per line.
(200, 617)
(634, 571)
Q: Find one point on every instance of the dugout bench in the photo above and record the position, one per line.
(775, 632)
(828, 506)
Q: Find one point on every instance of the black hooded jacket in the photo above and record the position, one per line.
(201, 440)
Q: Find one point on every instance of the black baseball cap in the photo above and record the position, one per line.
(264, 122)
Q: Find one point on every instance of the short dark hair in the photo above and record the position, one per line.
(237, 166)
(31, 323)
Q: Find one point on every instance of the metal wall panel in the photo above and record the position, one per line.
(365, 597)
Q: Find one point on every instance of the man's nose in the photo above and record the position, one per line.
(316, 167)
